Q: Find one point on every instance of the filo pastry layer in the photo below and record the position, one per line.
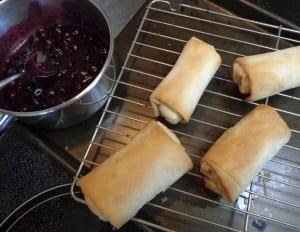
(148, 165)
(176, 97)
(243, 150)
(267, 74)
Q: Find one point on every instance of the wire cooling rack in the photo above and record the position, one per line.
(271, 202)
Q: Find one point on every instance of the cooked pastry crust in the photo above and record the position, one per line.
(176, 97)
(243, 150)
(149, 164)
(266, 74)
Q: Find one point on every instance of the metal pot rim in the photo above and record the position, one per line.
(84, 91)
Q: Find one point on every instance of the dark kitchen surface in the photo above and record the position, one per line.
(25, 170)
(268, 11)
(289, 9)
(30, 165)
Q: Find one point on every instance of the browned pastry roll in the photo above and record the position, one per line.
(243, 150)
(148, 165)
(176, 97)
(267, 74)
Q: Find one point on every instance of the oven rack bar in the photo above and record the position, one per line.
(178, 132)
(208, 91)
(237, 209)
(210, 34)
(231, 26)
(127, 68)
(259, 23)
(207, 199)
(203, 122)
(214, 108)
(177, 53)
(200, 176)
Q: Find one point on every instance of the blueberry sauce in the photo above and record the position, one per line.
(76, 54)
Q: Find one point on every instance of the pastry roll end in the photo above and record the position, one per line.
(267, 74)
(94, 209)
(118, 188)
(176, 97)
(243, 150)
(220, 186)
(240, 78)
(161, 109)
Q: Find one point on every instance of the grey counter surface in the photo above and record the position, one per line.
(119, 12)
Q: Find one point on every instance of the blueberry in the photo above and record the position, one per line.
(48, 42)
(75, 32)
(56, 51)
(259, 224)
(38, 91)
(51, 93)
(74, 47)
(94, 69)
(86, 79)
(102, 51)
(58, 30)
(43, 33)
(12, 95)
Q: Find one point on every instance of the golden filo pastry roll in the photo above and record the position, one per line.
(243, 150)
(177, 95)
(267, 74)
(118, 188)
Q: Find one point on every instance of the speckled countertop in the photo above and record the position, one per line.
(26, 170)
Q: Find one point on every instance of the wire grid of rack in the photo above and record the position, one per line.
(271, 202)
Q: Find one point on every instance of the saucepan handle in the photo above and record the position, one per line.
(5, 121)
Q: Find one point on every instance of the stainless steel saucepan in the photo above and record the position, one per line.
(21, 17)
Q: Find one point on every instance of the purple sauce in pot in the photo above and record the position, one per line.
(76, 53)
(74, 40)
